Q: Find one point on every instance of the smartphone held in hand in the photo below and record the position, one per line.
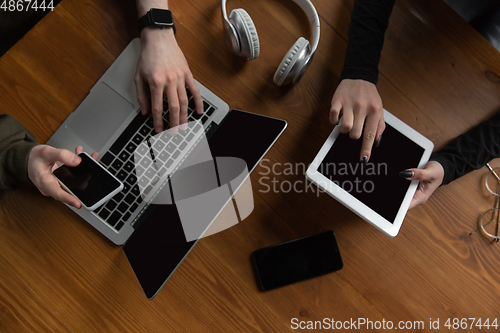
(89, 182)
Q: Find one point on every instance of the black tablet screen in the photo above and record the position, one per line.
(376, 184)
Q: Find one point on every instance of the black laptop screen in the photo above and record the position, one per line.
(158, 247)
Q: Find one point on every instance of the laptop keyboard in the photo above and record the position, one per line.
(119, 160)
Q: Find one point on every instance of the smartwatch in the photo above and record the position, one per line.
(161, 18)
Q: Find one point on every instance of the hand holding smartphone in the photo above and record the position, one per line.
(89, 182)
(297, 260)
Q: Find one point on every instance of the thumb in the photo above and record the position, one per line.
(413, 174)
(63, 156)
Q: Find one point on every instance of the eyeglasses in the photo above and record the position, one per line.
(489, 222)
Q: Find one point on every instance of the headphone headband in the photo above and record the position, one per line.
(309, 10)
(313, 17)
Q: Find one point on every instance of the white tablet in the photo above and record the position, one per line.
(374, 191)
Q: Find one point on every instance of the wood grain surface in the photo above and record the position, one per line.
(437, 74)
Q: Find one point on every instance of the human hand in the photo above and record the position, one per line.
(358, 103)
(42, 161)
(430, 177)
(163, 69)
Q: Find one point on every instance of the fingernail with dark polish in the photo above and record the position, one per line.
(378, 140)
(364, 160)
(406, 174)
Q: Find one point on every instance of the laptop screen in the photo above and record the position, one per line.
(158, 247)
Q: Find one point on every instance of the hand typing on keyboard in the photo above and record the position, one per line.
(163, 69)
(42, 160)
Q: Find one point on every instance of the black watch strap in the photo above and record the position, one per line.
(161, 18)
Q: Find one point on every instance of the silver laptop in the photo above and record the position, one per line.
(202, 167)
(109, 121)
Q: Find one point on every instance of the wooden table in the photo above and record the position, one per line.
(437, 74)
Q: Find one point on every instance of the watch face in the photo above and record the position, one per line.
(162, 17)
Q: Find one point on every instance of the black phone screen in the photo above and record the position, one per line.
(297, 260)
(88, 181)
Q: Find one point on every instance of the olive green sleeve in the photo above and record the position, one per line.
(16, 143)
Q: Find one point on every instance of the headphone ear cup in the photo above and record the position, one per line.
(247, 33)
(282, 74)
(232, 39)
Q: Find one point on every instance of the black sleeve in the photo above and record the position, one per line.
(369, 21)
(470, 151)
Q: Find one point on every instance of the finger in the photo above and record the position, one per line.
(335, 111)
(174, 130)
(183, 103)
(157, 107)
(417, 200)
(357, 126)
(78, 150)
(95, 155)
(380, 130)
(347, 120)
(195, 91)
(67, 198)
(174, 107)
(421, 195)
(416, 174)
(52, 188)
(369, 134)
(142, 94)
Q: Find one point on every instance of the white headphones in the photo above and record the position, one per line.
(242, 39)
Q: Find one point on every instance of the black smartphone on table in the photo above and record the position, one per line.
(89, 182)
(297, 260)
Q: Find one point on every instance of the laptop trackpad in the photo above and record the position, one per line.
(99, 116)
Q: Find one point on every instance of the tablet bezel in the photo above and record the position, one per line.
(354, 204)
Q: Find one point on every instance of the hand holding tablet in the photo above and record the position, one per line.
(373, 190)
